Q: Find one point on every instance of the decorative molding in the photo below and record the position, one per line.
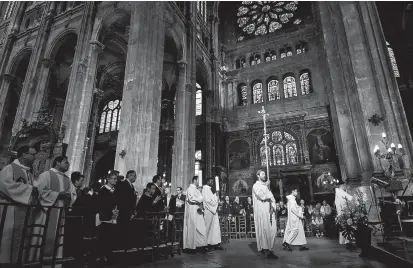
(48, 63)
(277, 122)
(182, 64)
(8, 78)
(97, 46)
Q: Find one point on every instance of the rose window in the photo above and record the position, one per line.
(262, 17)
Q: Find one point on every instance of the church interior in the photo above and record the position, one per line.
(315, 94)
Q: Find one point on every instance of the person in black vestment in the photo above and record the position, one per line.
(180, 206)
(157, 181)
(148, 200)
(108, 214)
(126, 200)
(170, 205)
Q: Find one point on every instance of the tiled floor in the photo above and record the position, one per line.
(323, 253)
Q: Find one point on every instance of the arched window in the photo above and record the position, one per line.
(393, 60)
(255, 59)
(283, 53)
(301, 47)
(198, 99)
(305, 82)
(9, 10)
(289, 51)
(242, 95)
(110, 116)
(273, 55)
(257, 95)
(273, 90)
(267, 56)
(240, 63)
(290, 89)
(202, 10)
(198, 169)
(282, 149)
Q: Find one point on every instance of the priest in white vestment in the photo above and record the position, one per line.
(16, 186)
(213, 229)
(264, 215)
(340, 202)
(55, 189)
(194, 224)
(294, 231)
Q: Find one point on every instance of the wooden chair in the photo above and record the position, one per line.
(233, 228)
(150, 241)
(223, 221)
(242, 227)
(178, 224)
(252, 233)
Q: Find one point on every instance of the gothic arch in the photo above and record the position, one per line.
(203, 74)
(110, 17)
(17, 58)
(58, 41)
(180, 48)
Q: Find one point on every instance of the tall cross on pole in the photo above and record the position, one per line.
(264, 118)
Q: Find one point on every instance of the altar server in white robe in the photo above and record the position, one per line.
(194, 224)
(16, 186)
(340, 202)
(213, 230)
(264, 215)
(294, 231)
(55, 189)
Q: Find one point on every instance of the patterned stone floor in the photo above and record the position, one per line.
(323, 253)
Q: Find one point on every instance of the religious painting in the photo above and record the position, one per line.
(321, 146)
(240, 183)
(239, 155)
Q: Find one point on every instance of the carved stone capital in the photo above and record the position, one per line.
(98, 93)
(97, 46)
(182, 64)
(48, 63)
(8, 78)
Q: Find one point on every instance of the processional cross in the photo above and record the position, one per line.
(264, 118)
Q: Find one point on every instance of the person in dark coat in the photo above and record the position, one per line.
(180, 205)
(157, 181)
(126, 200)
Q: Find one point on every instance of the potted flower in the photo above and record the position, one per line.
(353, 222)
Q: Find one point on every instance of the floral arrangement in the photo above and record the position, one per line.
(354, 215)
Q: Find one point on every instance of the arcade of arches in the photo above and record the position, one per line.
(175, 88)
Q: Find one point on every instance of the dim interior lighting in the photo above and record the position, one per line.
(399, 146)
(376, 149)
(383, 135)
(393, 145)
(389, 150)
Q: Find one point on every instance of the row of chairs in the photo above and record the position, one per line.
(236, 227)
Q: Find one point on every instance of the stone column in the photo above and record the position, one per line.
(6, 80)
(141, 101)
(180, 164)
(281, 187)
(190, 87)
(310, 185)
(80, 116)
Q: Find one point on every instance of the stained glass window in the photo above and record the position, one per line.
(263, 17)
(257, 95)
(283, 53)
(301, 47)
(305, 83)
(243, 95)
(283, 149)
(273, 55)
(110, 116)
(273, 90)
(263, 156)
(198, 100)
(198, 155)
(290, 89)
(393, 60)
(291, 153)
(289, 52)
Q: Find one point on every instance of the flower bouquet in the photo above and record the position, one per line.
(354, 216)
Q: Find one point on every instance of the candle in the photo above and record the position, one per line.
(217, 183)
(399, 146)
(383, 135)
(389, 150)
(376, 149)
(392, 145)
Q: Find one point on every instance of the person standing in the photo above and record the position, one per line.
(264, 216)
(16, 186)
(180, 200)
(294, 231)
(55, 189)
(194, 224)
(213, 230)
(157, 180)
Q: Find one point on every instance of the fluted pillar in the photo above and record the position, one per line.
(79, 141)
(180, 163)
(141, 101)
